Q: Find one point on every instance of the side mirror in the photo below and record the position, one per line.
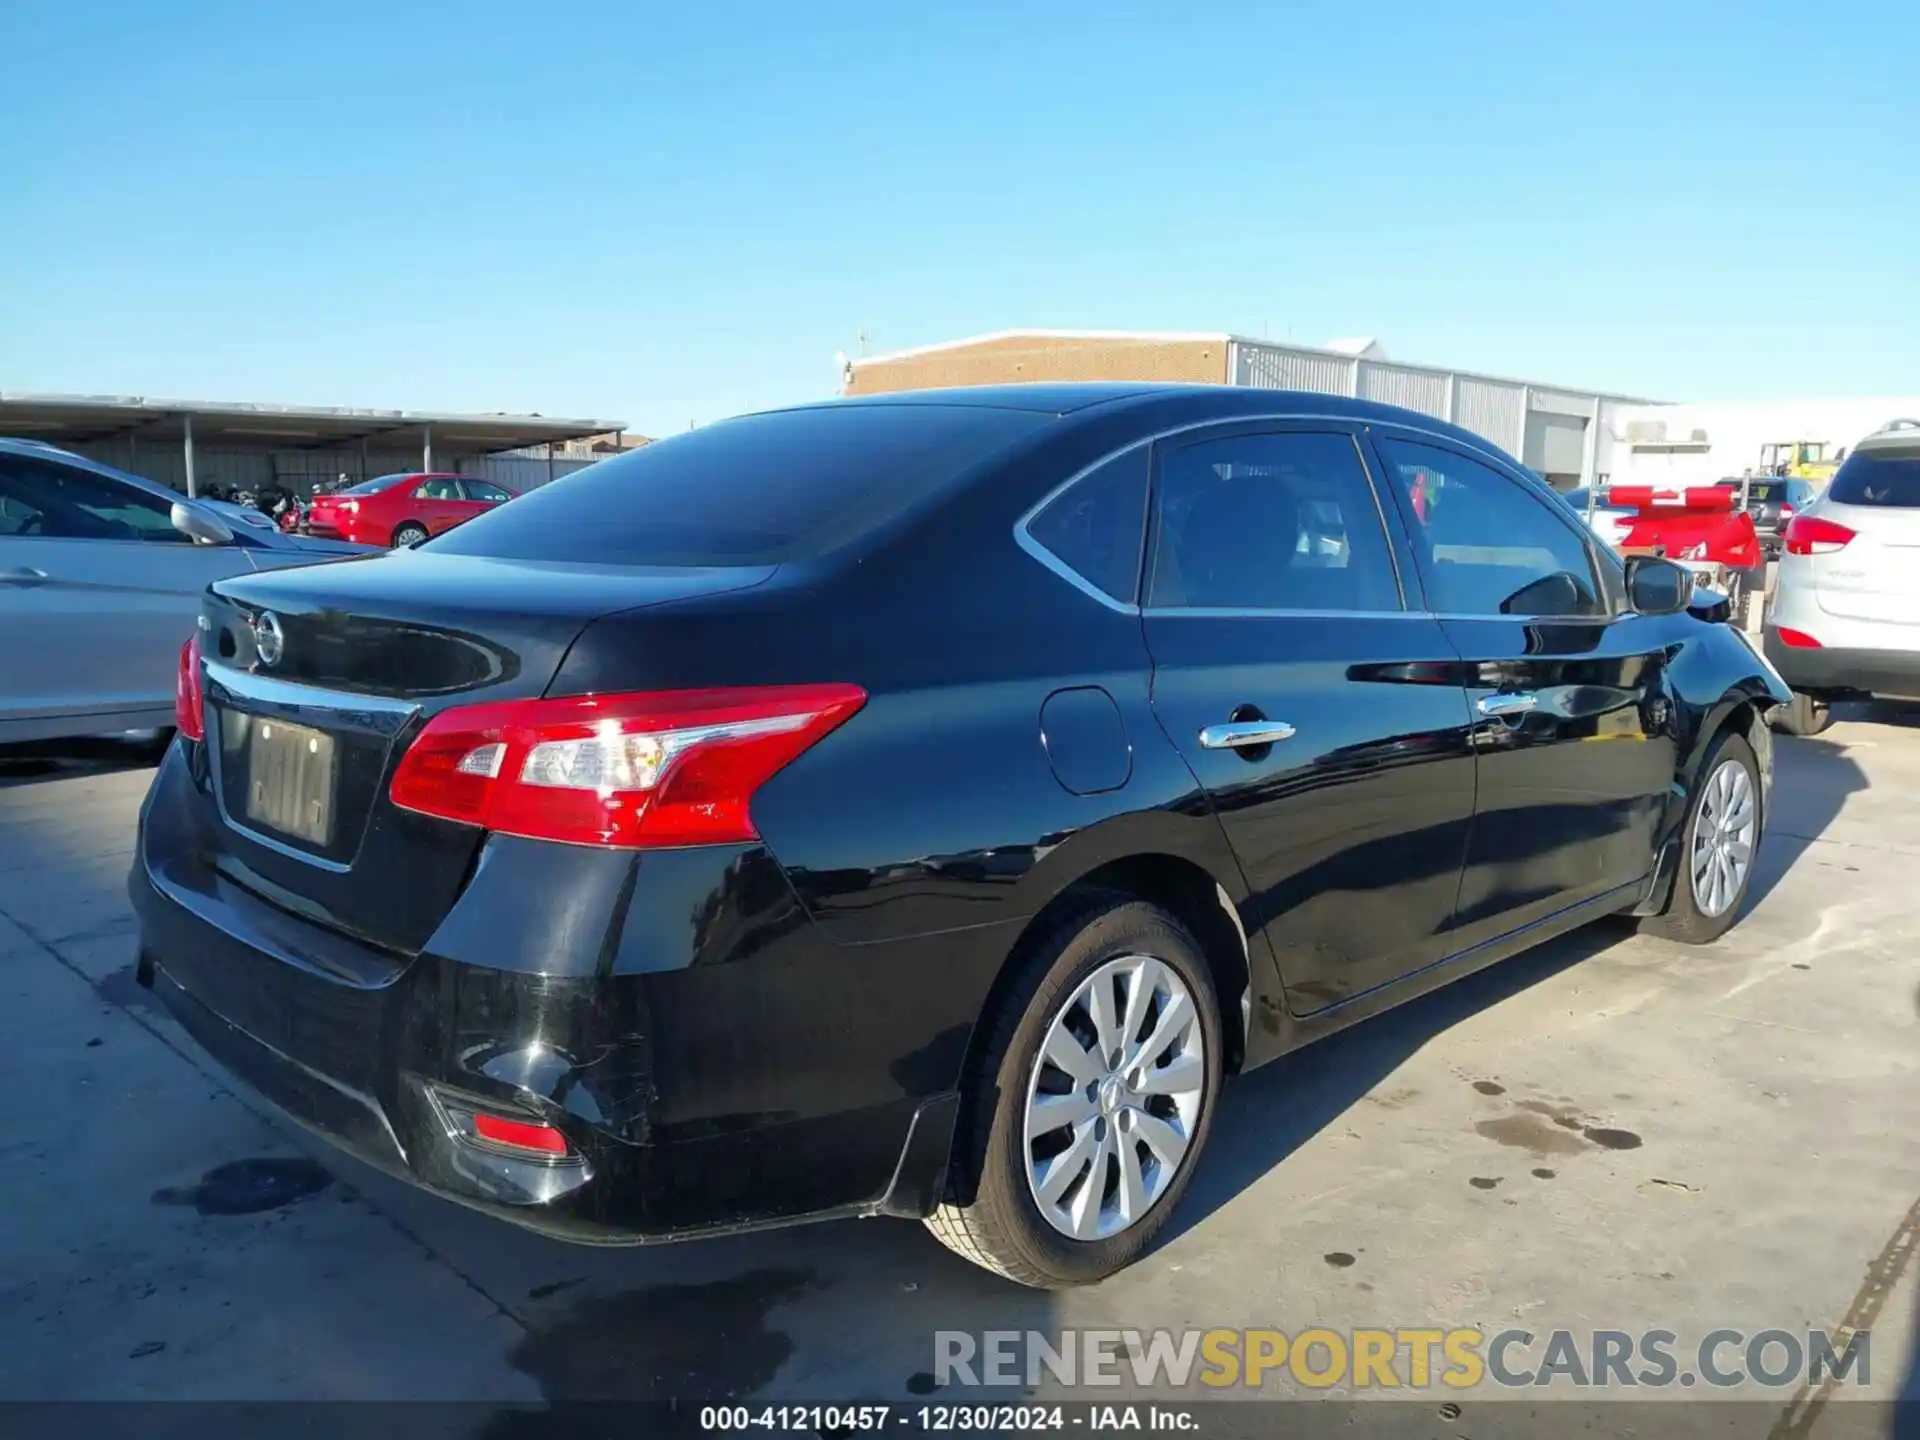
(202, 527)
(1658, 587)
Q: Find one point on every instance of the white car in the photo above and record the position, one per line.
(1845, 617)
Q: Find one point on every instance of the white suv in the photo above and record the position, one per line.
(1845, 616)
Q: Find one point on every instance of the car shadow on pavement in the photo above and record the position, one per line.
(1812, 779)
(34, 760)
(1271, 1112)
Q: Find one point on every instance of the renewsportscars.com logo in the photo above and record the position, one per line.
(1414, 1358)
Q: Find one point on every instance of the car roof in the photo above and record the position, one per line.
(1894, 435)
(1178, 404)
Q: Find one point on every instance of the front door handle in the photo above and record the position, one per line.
(1508, 703)
(23, 575)
(1237, 734)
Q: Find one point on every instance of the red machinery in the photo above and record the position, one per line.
(1703, 527)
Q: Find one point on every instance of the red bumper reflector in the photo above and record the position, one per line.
(189, 700)
(1799, 639)
(519, 1134)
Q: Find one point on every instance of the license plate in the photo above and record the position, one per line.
(290, 779)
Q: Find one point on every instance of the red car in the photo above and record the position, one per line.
(401, 509)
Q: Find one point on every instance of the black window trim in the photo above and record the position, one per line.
(1607, 570)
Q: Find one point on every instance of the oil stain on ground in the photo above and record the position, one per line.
(695, 1344)
(247, 1187)
(1529, 1131)
(1532, 1134)
(1489, 1087)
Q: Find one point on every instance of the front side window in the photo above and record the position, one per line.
(481, 490)
(1094, 527)
(63, 503)
(1491, 547)
(1284, 521)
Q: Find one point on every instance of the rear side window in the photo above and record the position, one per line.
(1890, 477)
(1270, 522)
(1095, 526)
(758, 490)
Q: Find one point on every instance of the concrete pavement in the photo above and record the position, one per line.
(1612, 1132)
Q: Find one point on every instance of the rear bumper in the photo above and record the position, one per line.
(1831, 670)
(365, 1049)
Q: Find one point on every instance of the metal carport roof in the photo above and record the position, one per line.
(77, 419)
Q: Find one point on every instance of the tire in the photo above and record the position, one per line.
(1803, 715)
(1690, 917)
(409, 533)
(1059, 972)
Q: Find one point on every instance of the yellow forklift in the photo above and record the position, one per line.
(1799, 460)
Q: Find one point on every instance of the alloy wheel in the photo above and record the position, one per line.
(1724, 828)
(1114, 1097)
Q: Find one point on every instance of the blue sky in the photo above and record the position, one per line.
(669, 214)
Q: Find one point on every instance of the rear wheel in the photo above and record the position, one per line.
(1091, 1103)
(409, 533)
(1719, 841)
(1803, 715)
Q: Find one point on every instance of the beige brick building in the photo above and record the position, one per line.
(1011, 358)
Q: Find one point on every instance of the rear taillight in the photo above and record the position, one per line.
(1798, 639)
(189, 700)
(676, 767)
(1811, 535)
(351, 507)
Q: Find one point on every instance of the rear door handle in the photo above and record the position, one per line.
(1235, 734)
(23, 575)
(1507, 703)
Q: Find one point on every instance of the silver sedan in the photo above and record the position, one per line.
(100, 581)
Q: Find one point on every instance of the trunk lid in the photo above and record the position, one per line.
(318, 678)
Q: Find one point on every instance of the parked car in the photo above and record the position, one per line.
(1773, 502)
(916, 805)
(1845, 617)
(399, 510)
(1609, 521)
(100, 581)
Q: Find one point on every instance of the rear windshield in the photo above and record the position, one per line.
(1883, 478)
(370, 487)
(754, 491)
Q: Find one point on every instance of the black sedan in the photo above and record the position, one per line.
(917, 806)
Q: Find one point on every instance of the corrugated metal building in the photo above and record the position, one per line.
(1565, 434)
